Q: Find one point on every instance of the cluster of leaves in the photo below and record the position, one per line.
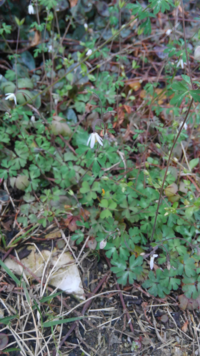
(48, 154)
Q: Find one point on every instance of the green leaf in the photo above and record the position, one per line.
(123, 279)
(120, 266)
(10, 273)
(104, 203)
(69, 156)
(112, 204)
(25, 83)
(85, 187)
(193, 163)
(186, 78)
(96, 187)
(134, 262)
(48, 324)
(78, 236)
(7, 319)
(189, 266)
(195, 94)
(105, 214)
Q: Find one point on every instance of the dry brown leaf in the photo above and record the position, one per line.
(188, 303)
(185, 326)
(53, 235)
(162, 96)
(73, 3)
(70, 222)
(7, 225)
(127, 108)
(134, 85)
(35, 40)
(120, 117)
(143, 94)
(85, 214)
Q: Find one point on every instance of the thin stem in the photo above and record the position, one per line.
(168, 163)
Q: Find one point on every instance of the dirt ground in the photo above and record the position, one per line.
(115, 323)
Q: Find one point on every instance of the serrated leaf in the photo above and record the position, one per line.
(135, 262)
(105, 214)
(195, 94)
(119, 266)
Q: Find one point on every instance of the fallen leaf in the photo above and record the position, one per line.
(85, 214)
(164, 318)
(3, 341)
(54, 234)
(73, 3)
(92, 243)
(134, 85)
(35, 38)
(188, 303)
(185, 327)
(127, 108)
(70, 222)
(61, 273)
(7, 225)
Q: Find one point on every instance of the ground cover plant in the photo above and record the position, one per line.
(99, 134)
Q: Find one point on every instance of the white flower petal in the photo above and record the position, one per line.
(168, 32)
(89, 52)
(88, 141)
(197, 53)
(99, 139)
(11, 96)
(31, 9)
(180, 63)
(93, 139)
(152, 261)
(102, 244)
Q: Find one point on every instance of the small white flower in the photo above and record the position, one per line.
(86, 26)
(11, 96)
(93, 138)
(89, 52)
(185, 126)
(102, 244)
(180, 63)
(168, 32)
(31, 9)
(197, 53)
(152, 261)
(33, 118)
(50, 48)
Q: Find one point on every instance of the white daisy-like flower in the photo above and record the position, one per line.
(89, 52)
(11, 96)
(152, 261)
(31, 9)
(180, 63)
(93, 138)
(86, 26)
